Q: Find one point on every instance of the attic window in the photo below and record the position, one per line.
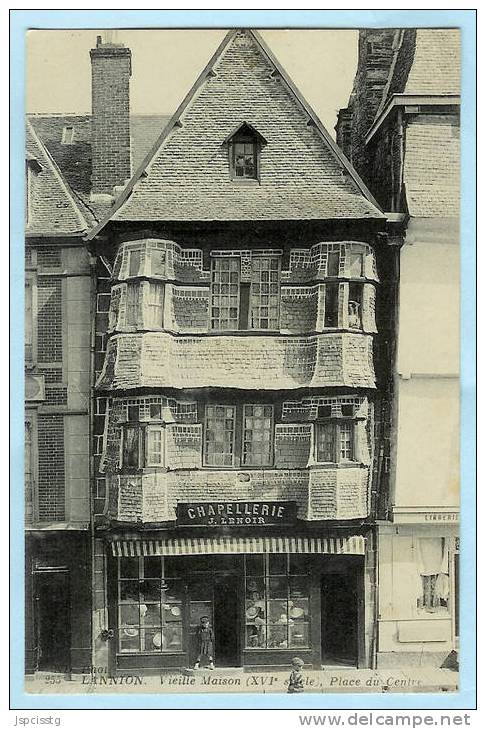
(244, 147)
(67, 135)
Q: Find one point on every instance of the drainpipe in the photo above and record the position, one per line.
(92, 263)
(401, 156)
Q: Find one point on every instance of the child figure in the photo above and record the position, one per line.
(205, 642)
(296, 680)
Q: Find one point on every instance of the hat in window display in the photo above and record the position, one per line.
(176, 611)
(157, 640)
(143, 610)
(259, 621)
(296, 612)
(251, 613)
(131, 632)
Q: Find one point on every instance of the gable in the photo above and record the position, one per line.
(302, 173)
(51, 208)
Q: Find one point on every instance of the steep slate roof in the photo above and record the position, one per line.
(436, 67)
(75, 159)
(303, 173)
(427, 62)
(53, 210)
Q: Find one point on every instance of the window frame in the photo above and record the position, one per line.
(244, 138)
(150, 305)
(336, 424)
(143, 430)
(239, 437)
(67, 134)
(246, 306)
(31, 282)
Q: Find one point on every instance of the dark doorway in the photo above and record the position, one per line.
(226, 629)
(339, 626)
(53, 626)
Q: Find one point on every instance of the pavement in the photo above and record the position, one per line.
(235, 680)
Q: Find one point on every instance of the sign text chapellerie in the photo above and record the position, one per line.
(236, 513)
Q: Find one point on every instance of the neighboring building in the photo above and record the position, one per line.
(238, 431)
(405, 142)
(57, 431)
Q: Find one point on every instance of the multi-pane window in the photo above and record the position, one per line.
(346, 436)
(150, 607)
(133, 304)
(335, 441)
(225, 293)
(257, 435)
(238, 435)
(241, 305)
(142, 446)
(277, 607)
(264, 293)
(155, 446)
(219, 436)
(244, 162)
(154, 309)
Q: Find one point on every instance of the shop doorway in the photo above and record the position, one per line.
(226, 627)
(339, 619)
(52, 617)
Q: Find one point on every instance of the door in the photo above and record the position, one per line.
(226, 626)
(339, 618)
(53, 621)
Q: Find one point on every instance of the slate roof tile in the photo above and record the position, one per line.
(52, 209)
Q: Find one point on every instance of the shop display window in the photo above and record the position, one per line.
(150, 607)
(277, 607)
(432, 556)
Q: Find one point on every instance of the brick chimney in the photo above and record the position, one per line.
(110, 98)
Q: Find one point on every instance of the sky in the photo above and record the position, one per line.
(322, 64)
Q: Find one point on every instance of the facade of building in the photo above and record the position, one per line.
(402, 132)
(235, 400)
(229, 348)
(57, 431)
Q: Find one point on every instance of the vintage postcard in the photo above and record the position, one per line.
(242, 269)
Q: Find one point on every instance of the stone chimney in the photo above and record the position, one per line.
(110, 97)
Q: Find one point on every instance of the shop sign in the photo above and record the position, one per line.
(425, 516)
(236, 513)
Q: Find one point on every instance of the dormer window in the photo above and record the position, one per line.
(67, 135)
(244, 146)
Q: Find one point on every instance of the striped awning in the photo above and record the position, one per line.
(238, 545)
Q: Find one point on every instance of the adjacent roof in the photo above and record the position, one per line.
(52, 208)
(185, 176)
(427, 62)
(75, 159)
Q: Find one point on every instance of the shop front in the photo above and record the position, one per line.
(268, 599)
